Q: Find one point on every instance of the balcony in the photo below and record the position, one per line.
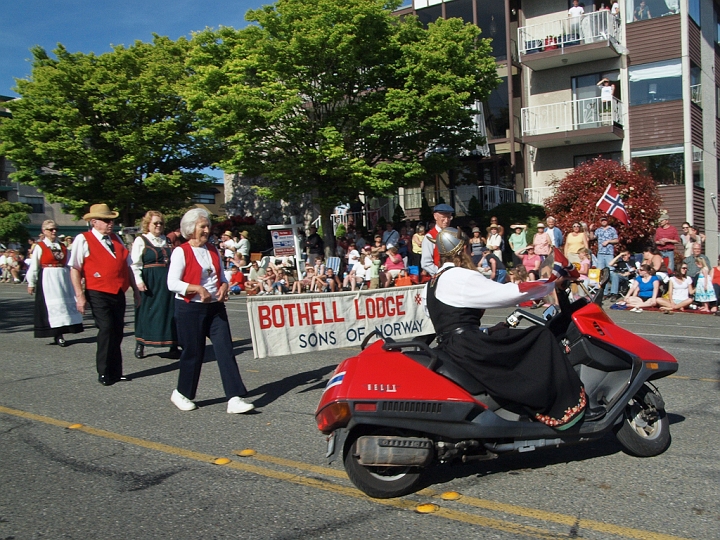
(696, 94)
(570, 40)
(538, 195)
(573, 122)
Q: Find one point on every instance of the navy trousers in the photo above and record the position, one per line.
(195, 322)
(109, 313)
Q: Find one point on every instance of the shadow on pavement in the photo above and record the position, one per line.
(274, 390)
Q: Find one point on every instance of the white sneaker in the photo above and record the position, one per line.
(181, 402)
(238, 405)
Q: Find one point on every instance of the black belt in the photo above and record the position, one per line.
(457, 331)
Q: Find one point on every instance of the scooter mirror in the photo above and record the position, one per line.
(549, 313)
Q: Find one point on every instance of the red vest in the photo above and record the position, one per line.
(436, 254)
(102, 271)
(193, 270)
(47, 256)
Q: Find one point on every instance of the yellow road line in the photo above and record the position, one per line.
(404, 504)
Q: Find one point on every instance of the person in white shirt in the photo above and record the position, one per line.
(575, 12)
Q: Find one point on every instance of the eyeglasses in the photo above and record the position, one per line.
(156, 223)
(683, 268)
(51, 230)
(105, 220)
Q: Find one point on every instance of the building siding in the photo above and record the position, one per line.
(673, 201)
(654, 40)
(656, 124)
(694, 43)
(696, 124)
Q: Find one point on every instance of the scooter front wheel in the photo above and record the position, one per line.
(379, 482)
(645, 430)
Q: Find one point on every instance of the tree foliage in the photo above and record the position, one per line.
(13, 217)
(110, 128)
(336, 98)
(577, 194)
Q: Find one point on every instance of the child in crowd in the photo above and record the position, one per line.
(237, 280)
(704, 292)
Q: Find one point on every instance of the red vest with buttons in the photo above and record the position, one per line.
(193, 270)
(436, 254)
(101, 270)
(48, 259)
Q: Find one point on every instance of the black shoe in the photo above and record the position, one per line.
(139, 350)
(59, 340)
(105, 380)
(174, 353)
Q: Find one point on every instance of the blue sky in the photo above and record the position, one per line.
(94, 25)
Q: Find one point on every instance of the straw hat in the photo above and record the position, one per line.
(244, 234)
(227, 233)
(100, 211)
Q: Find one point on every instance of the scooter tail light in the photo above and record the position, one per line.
(366, 407)
(335, 415)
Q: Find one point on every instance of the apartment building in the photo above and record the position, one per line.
(661, 105)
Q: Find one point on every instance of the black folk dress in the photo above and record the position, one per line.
(516, 367)
(155, 319)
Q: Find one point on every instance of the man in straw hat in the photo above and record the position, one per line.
(243, 248)
(101, 258)
(666, 238)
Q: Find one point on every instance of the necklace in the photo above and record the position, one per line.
(205, 260)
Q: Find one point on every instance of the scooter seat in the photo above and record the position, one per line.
(450, 370)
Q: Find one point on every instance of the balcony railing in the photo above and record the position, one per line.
(571, 115)
(696, 94)
(538, 195)
(568, 31)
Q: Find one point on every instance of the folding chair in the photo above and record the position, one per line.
(334, 263)
(593, 281)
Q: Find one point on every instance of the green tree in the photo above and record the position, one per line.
(110, 128)
(337, 98)
(13, 217)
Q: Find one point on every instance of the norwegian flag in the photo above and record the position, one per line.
(612, 205)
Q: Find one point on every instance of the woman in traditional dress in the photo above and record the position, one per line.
(522, 367)
(48, 277)
(154, 318)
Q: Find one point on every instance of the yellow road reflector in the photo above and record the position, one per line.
(450, 496)
(222, 461)
(75, 426)
(427, 508)
(245, 453)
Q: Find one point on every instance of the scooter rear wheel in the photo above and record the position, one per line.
(379, 482)
(645, 431)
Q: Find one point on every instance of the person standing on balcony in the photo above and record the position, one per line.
(666, 238)
(315, 246)
(430, 259)
(607, 92)
(575, 12)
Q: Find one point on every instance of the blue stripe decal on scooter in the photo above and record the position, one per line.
(336, 380)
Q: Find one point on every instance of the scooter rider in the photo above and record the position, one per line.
(523, 367)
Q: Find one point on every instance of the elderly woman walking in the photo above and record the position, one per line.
(49, 279)
(197, 278)
(154, 319)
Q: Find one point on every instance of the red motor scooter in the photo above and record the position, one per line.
(399, 407)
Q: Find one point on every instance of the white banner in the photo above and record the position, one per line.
(301, 323)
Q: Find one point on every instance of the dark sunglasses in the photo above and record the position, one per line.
(51, 230)
(105, 220)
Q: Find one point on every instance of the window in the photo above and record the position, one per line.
(615, 156)
(429, 14)
(204, 197)
(491, 20)
(497, 112)
(665, 165)
(694, 10)
(462, 9)
(698, 175)
(640, 10)
(655, 82)
(37, 203)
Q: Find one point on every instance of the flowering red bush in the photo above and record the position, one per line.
(577, 194)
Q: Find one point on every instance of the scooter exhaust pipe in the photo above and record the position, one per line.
(392, 451)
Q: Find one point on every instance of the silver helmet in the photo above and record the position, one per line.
(450, 241)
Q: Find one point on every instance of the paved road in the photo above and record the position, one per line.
(78, 460)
